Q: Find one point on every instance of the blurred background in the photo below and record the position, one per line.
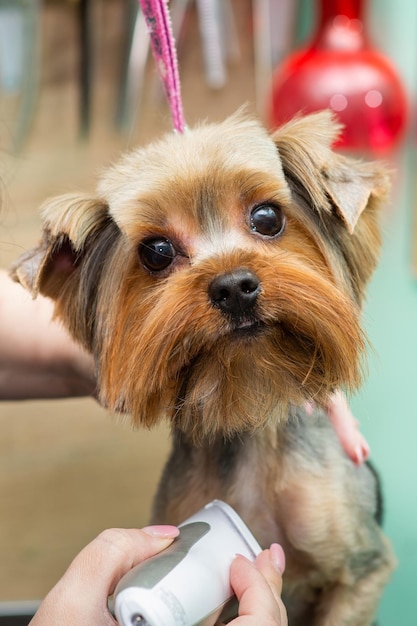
(77, 87)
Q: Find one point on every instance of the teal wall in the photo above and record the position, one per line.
(387, 404)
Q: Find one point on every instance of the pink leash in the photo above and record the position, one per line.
(163, 47)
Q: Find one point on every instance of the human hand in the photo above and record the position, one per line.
(258, 588)
(346, 426)
(80, 597)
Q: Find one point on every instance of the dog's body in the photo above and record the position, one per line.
(218, 281)
(294, 485)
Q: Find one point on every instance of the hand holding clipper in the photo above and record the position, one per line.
(188, 584)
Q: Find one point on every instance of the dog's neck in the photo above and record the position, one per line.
(237, 469)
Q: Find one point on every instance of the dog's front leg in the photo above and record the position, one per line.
(354, 604)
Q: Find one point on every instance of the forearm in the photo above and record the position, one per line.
(21, 383)
(37, 357)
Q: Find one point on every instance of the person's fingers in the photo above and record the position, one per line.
(347, 429)
(115, 551)
(258, 587)
(271, 563)
(81, 594)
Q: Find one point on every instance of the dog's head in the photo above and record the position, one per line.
(218, 275)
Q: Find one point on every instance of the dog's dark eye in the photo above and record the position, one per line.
(157, 254)
(267, 219)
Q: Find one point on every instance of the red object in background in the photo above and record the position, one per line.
(341, 71)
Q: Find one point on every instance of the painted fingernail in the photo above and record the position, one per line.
(359, 457)
(162, 531)
(277, 557)
(362, 451)
(366, 450)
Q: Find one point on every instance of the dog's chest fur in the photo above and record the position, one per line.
(292, 485)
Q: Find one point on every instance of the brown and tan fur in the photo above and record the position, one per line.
(234, 384)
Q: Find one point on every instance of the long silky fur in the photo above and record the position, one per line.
(235, 394)
(310, 342)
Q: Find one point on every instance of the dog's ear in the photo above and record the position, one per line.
(332, 181)
(68, 222)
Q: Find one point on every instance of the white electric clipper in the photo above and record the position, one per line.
(188, 583)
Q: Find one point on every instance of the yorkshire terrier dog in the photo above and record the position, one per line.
(217, 277)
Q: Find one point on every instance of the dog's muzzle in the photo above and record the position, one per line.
(235, 293)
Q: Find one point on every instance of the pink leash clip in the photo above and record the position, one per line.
(163, 48)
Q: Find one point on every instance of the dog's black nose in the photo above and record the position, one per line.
(235, 293)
